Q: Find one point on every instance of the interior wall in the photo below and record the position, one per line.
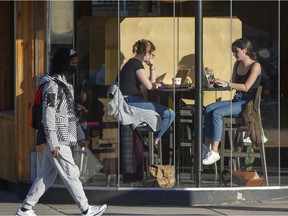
(175, 46)
(90, 45)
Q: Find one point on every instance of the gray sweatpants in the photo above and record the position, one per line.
(51, 166)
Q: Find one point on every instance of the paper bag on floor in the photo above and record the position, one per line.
(244, 178)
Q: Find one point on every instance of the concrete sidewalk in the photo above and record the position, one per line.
(9, 204)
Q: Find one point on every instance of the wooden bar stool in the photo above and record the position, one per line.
(146, 131)
(186, 139)
(234, 127)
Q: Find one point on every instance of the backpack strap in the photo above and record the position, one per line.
(38, 93)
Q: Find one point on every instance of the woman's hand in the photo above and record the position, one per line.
(158, 85)
(150, 62)
(219, 81)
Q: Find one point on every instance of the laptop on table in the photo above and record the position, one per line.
(183, 74)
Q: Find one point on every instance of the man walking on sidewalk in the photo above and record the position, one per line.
(61, 132)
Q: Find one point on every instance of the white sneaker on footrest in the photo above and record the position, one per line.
(205, 150)
(211, 158)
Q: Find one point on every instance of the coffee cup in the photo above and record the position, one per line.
(176, 80)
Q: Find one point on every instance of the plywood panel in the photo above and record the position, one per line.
(90, 44)
(112, 58)
(97, 43)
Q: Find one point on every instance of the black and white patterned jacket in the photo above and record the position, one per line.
(59, 120)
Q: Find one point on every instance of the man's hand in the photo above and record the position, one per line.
(55, 153)
(83, 143)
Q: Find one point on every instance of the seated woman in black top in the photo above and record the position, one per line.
(133, 75)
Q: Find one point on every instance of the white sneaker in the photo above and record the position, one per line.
(211, 158)
(95, 211)
(205, 150)
(29, 212)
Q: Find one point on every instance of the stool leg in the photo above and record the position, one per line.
(151, 146)
(222, 147)
(147, 166)
(263, 162)
(160, 152)
(215, 170)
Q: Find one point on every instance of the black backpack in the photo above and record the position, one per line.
(35, 118)
(36, 108)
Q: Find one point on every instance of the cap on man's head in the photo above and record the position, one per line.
(65, 53)
(72, 53)
(61, 59)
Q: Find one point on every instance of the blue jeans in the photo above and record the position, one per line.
(166, 114)
(215, 111)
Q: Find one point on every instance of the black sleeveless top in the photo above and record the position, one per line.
(242, 79)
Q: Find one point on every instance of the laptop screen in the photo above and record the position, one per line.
(182, 73)
(207, 74)
(160, 78)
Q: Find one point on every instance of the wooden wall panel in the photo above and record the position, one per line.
(8, 156)
(24, 84)
(6, 101)
(41, 39)
(24, 78)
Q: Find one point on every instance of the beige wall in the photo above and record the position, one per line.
(174, 39)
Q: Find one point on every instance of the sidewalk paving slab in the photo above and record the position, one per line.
(9, 204)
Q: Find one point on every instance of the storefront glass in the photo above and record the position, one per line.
(104, 35)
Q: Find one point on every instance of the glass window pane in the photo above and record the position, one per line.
(262, 33)
(105, 32)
